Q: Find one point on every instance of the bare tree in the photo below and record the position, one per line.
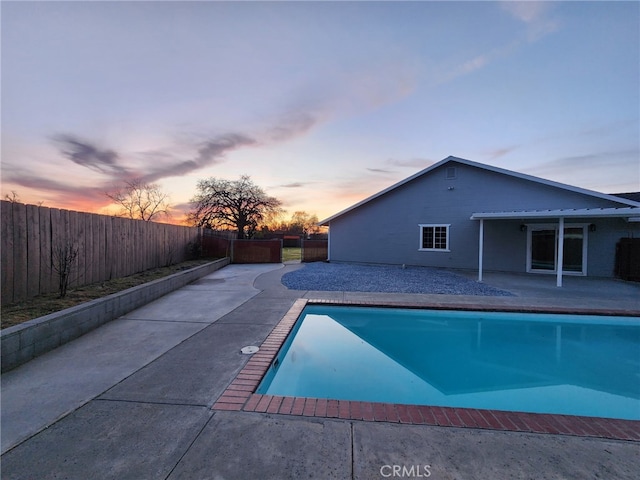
(63, 262)
(141, 201)
(13, 197)
(232, 204)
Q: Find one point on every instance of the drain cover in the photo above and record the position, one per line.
(249, 350)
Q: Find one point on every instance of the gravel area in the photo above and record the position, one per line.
(321, 276)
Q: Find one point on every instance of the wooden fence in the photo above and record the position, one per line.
(256, 251)
(107, 247)
(223, 244)
(216, 243)
(315, 250)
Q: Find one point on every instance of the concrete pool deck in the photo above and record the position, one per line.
(134, 398)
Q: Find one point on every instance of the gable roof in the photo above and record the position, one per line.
(489, 168)
(635, 196)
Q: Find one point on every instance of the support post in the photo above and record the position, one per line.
(480, 249)
(560, 260)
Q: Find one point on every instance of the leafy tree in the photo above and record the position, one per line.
(231, 204)
(141, 201)
(302, 222)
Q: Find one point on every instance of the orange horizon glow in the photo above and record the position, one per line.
(83, 206)
(176, 216)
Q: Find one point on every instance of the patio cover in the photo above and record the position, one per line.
(632, 214)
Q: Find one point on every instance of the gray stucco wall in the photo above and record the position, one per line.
(602, 244)
(385, 230)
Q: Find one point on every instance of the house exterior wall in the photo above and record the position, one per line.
(602, 244)
(386, 229)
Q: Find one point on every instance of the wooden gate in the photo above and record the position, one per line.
(315, 250)
(256, 251)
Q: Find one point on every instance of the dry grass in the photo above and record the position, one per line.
(35, 307)
(291, 253)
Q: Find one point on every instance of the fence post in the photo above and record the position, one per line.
(6, 247)
(33, 250)
(19, 251)
(47, 280)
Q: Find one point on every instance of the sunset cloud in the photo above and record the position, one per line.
(209, 152)
(573, 164)
(51, 191)
(295, 185)
(379, 170)
(535, 14)
(420, 163)
(579, 170)
(111, 163)
(322, 103)
(538, 23)
(500, 152)
(290, 125)
(112, 168)
(88, 155)
(526, 11)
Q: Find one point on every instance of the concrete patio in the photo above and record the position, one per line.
(133, 398)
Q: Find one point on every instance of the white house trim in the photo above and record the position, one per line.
(623, 212)
(447, 228)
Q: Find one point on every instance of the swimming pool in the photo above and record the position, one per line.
(541, 363)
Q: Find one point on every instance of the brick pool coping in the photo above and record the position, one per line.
(240, 396)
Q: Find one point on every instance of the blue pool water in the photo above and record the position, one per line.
(568, 364)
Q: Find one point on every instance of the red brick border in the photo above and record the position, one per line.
(239, 396)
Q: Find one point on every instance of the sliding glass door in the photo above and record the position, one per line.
(573, 254)
(543, 249)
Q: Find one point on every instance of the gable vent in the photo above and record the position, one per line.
(451, 173)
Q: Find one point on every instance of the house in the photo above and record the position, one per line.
(466, 215)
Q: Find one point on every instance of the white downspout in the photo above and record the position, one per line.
(560, 252)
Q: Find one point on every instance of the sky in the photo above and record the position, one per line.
(322, 103)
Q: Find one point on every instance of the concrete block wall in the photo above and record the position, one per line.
(23, 342)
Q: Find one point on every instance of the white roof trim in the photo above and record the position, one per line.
(490, 168)
(564, 213)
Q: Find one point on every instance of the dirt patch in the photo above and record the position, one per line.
(41, 305)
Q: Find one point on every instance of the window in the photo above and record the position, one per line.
(434, 238)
